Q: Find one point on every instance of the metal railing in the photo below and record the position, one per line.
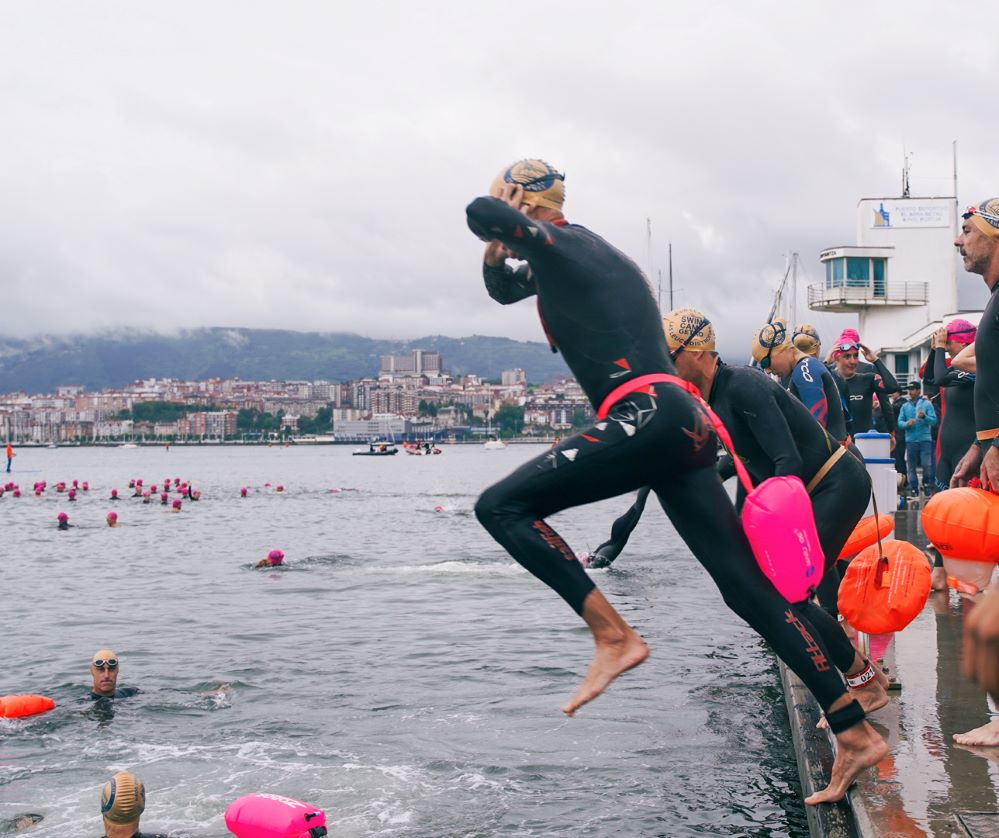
(854, 293)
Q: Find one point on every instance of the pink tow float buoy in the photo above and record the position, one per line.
(780, 526)
(274, 816)
(438, 508)
(266, 484)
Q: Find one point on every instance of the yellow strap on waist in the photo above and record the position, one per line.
(822, 472)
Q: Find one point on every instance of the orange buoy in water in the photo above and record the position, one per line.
(963, 524)
(866, 533)
(15, 706)
(881, 593)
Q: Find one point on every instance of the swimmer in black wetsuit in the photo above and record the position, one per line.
(957, 397)
(774, 435)
(861, 387)
(104, 670)
(598, 310)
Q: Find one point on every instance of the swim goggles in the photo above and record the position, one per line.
(988, 216)
(110, 663)
(779, 335)
(686, 341)
(845, 347)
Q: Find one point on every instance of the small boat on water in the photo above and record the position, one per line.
(128, 445)
(377, 448)
(493, 444)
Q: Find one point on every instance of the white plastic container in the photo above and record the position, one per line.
(873, 445)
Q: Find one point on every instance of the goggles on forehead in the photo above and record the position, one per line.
(988, 216)
(845, 347)
(110, 663)
(686, 341)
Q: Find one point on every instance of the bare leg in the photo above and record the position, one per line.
(619, 648)
(857, 749)
(872, 696)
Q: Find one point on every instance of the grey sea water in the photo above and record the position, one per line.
(401, 672)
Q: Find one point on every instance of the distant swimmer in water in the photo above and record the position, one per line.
(112, 519)
(597, 308)
(63, 520)
(104, 669)
(272, 559)
(176, 505)
(123, 800)
(114, 495)
(19, 823)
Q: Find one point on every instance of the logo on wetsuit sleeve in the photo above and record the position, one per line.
(813, 648)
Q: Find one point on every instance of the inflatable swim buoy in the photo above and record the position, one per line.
(16, 706)
(779, 523)
(963, 524)
(274, 816)
(866, 533)
(882, 593)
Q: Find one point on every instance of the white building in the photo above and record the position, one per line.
(900, 278)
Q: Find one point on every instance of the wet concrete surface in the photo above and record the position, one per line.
(928, 785)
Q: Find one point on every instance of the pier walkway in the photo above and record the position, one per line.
(928, 785)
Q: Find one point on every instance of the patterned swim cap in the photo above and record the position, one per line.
(769, 338)
(688, 328)
(985, 216)
(806, 338)
(123, 798)
(544, 186)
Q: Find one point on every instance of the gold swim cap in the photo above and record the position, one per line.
(123, 799)
(806, 338)
(543, 185)
(985, 216)
(688, 328)
(769, 339)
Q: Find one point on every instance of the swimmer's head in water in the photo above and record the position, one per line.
(544, 185)
(686, 329)
(806, 338)
(123, 799)
(769, 339)
(112, 519)
(275, 557)
(985, 217)
(62, 517)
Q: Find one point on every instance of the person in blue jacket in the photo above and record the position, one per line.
(916, 418)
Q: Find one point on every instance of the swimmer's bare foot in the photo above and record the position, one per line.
(619, 648)
(857, 749)
(872, 696)
(987, 735)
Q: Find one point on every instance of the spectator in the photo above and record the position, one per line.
(915, 419)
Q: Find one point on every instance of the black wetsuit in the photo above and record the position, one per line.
(599, 311)
(775, 435)
(860, 391)
(120, 692)
(987, 373)
(957, 413)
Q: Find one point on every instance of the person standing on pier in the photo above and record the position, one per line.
(10, 456)
(598, 310)
(978, 244)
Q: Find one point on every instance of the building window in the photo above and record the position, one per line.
(835, 273)
(878, 266)
(857, 272)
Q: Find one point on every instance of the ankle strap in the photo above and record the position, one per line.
(845, 717)
(862, 679)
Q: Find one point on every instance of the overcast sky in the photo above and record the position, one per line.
(306, 165)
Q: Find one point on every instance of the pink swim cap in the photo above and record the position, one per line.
(114, 493)
(17, 493)
(275, 557)
(62, 516)
(961, 331)
(112, 516)
(279, 488)
(438, 508)
(176, 504)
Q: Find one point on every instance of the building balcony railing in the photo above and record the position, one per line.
(853, 294)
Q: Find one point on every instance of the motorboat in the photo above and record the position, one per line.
(493, 444)
(377, 448)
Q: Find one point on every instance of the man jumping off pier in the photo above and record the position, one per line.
(598, 310)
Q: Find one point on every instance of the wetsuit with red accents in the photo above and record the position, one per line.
(814, 386)
(601, 314)
(957, 412)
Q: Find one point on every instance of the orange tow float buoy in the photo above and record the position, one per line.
(866, 533)
(882, 593)
(963, 524)
(15, 706)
